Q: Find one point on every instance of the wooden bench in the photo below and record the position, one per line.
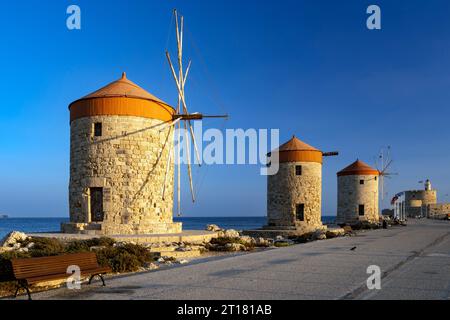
(30, 271)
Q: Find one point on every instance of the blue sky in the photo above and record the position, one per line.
(309, 68)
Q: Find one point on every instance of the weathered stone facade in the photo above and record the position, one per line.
(286, 190)
(417, 200)
(440, 211)
(128, 161)
(352, 194)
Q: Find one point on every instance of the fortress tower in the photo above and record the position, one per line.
(119, 147)
(294, 194)
(357, 193)
(417, 202)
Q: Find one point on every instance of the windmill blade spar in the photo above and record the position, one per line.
(189, 162)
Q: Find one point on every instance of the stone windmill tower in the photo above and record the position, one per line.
(122, 159)
(294, 194)
(358, 193)
(119, 146)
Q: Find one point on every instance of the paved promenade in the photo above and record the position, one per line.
(415, 261)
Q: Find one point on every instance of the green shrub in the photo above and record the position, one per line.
(77, 246)
(103, 242)
(85, 245)
(125, 261)
(6, 256)
(139, 251)
(125, 258)
(44, 247)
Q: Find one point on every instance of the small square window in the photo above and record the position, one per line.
(361, 210)
(300, 212)
(361, 181)
(376, 178)
(98, 129)
(298, 170)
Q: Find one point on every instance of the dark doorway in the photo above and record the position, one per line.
(300, 212)
(361, 209)
(96, 204)
(98, 129)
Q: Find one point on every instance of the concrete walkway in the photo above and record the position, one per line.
(415, 261)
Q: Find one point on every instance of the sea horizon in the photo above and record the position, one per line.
(52, 224)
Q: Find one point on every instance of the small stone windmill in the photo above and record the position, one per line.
(182, 114)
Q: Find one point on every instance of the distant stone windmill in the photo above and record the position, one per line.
(182, 114)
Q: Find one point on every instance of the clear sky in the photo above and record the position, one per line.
(309, 68)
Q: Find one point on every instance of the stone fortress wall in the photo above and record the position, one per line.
(417, 200)
(438, 211)
(129, 161)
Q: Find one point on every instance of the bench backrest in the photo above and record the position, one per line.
(35, 267)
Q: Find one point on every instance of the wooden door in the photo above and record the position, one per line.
(96, 204)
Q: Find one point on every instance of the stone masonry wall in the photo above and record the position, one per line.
(285, 190)
(351, 194)
(129, 162)
(438, 210)
(427, 197)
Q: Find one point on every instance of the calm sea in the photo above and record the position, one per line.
(189, 223)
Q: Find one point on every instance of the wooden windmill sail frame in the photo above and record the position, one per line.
(182, 115)
(383, 164)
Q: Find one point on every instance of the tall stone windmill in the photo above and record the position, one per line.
(121, 157)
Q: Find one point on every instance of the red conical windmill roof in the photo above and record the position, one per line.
(296, 150)
(358, 168)
(121, 98)
(296, 144)
(123, 88)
